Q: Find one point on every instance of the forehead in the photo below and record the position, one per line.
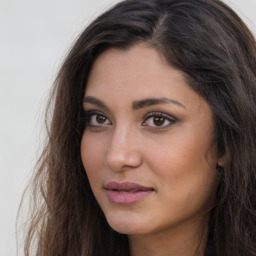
(139, 67)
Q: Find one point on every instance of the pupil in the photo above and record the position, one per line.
(158, 121)
(100, 119)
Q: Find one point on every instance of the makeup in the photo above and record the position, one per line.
(126, 192)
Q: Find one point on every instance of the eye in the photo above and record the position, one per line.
(96, 119)
(158, 120)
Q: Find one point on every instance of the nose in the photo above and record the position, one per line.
(123, 151)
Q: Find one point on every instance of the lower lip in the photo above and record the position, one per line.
(127, 198)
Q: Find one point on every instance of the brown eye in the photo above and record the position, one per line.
(158, 121)
(101, 119)
(98, 119)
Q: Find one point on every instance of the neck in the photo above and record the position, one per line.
(180, 241)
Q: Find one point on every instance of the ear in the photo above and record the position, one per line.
(221, 162)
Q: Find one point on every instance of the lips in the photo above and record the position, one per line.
(126, 192)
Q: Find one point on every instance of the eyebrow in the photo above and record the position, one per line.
(95, 101)
(154, 101)
(136, 104)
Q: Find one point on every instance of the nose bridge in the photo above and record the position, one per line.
(123, 150)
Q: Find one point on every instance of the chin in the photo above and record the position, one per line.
(127, 225)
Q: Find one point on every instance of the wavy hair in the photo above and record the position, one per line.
(211, 45)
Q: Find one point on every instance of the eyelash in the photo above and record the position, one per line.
(88, 115)
(88, 118)
(160, 115)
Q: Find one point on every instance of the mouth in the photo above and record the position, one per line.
(125, 193)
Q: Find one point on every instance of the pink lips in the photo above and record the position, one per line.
(126, 192)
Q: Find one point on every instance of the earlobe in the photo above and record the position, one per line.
(219, 167)
(221, 163)
(222, 156)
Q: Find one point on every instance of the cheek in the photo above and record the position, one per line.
(186, 171)
(182, 154)
(91, 154)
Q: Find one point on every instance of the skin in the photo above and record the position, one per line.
(175, 156)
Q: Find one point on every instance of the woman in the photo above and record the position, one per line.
(151, 146)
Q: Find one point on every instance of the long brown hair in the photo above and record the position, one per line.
(208, 42)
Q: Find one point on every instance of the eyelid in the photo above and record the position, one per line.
(167, 117)
(89, 113)
(159, 113)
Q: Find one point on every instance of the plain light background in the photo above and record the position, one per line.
(35, 35)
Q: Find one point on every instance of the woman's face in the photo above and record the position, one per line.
(148, 148)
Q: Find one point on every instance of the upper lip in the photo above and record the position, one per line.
(126, 186)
